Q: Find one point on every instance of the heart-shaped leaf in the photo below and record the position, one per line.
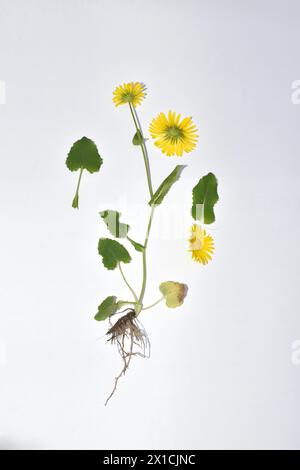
(112, 253)
(83, 156)
(107, 308)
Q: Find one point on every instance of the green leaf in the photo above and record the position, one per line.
(174, 293)
(205, 196)
(137, 246)
(137, 138)
(107, 308)
(166, 185)
(84, 154)
(112, 253)
(112, 221)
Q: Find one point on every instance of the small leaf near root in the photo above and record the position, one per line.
(131, 339)
(107, 308)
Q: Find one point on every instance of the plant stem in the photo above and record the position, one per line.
(127, 284)
(143, 147)
(121, 303)
(153, 305)
(76, 197)
(141, 297)
(148, 173)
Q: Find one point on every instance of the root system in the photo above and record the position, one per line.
(131, 340)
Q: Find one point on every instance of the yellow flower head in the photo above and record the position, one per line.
(173, 136)
(133, 92)
(201, 245)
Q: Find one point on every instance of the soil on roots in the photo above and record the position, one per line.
(131, 340)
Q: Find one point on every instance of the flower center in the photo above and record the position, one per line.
(174, 133)
(128, 97)
(195, 244)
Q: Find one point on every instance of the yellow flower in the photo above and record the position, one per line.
(133, 92)
(173, 136)
(201, 245)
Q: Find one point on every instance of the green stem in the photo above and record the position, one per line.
(127, 284)
(141, 297)
(76, 197)
(148, 173)
(143, 147)
(121, 303)
(153, 305)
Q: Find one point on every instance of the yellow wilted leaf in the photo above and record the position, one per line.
(173, 292)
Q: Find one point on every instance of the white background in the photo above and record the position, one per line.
(220, 375)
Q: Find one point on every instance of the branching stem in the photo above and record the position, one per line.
(153, 305)
(148, 173)
(127, 283)
(141, 297)
(143, 147)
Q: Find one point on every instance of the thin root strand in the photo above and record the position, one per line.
(131, 339)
